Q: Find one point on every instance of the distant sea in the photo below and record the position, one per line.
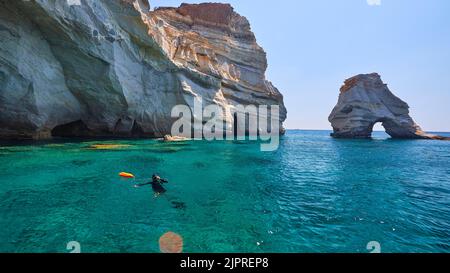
(314, 194)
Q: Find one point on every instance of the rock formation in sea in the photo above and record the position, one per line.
(365, 100)
(116, 68)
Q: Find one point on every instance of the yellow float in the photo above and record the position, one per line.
(126, 175)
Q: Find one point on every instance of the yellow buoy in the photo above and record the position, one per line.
(126, 175)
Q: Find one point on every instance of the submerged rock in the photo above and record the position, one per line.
(364, 101)
(115, 68)
(109, 146)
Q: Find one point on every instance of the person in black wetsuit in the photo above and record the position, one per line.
(157, 185)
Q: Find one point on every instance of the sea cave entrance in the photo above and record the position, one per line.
(73, 129)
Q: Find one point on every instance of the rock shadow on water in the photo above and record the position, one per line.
(178, 205)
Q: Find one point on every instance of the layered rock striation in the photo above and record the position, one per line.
(115, 68)
(365, 100)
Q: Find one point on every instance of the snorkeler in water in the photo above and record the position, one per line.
(157, 185)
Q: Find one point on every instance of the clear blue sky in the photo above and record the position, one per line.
(313, 45)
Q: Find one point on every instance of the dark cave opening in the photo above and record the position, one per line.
(73, 129)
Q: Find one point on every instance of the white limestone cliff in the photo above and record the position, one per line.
(115, 68)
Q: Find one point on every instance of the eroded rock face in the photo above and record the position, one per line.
(214, 48)
(364, 101)
(114, 68)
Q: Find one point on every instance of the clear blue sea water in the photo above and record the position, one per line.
(315, 194)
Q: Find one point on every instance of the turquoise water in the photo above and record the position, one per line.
(315, 194)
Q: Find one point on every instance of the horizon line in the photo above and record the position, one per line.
(304, 129)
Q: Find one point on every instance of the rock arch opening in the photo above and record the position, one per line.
(389, 126)
(378, 126)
